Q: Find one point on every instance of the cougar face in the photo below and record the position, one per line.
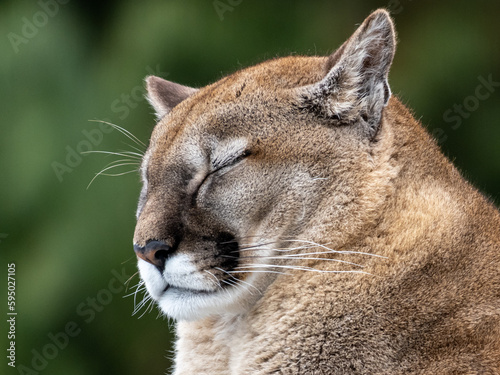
(236, 172)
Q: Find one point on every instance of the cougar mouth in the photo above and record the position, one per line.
(189, 291)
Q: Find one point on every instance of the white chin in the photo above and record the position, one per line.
(183, 304)
(193, 304)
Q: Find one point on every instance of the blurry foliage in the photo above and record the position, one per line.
(88, 61)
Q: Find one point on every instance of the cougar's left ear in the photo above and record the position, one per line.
(164, 95)
(355, 87)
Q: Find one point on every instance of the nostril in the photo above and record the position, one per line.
(156, 246)
(155, 252)
(162, 254)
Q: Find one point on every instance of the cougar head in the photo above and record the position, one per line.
(239, 172)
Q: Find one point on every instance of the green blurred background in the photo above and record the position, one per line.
(86, 60)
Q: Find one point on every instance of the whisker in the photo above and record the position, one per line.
(276, 249)
(309, 245)
(261, 271)
(119, 174)
(151, 304)
(250, 285)
(294, 257)
(299, 268)
(217, 282)
(123, 153)
(139, 151)
(226, 281)
(255, 246)
(238, 284)
(249, 246)
(129, 259)
(116, 162)
(136, 162)
(337, 251)
(239, 280)
(105, 169)
(141, 304)
(302, 254)
(134, 293)
(138, 306)
(287, 250)
(123, 131)
(130, 278)
(139, 154)
(130, 294)
(141, 286)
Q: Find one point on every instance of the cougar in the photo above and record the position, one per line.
(296, 219)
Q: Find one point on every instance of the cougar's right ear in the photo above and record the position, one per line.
(164, 95)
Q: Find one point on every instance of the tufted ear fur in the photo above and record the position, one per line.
(355, 87)
(164, 95)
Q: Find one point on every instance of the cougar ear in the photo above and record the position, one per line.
(164, 95)
(355, 87)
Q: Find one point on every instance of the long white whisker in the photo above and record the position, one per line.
(119, 174)
(139, 290)
(130, 278)
(138, 286)
(237, 283)
(228, 282)
(238, 280)
(217, 282)
(145, 300)
(261, 271)
(337, 251)
(139, 154)
(114, 162)
(277, 249)
(311, 244)
(105, 169)
(294, 256)
(123, 154)
(139, 151)
(123, 131)
(253, 245)
(302, 254)
(151, 306)
(151, 303)
(248, 284)
(299, 268)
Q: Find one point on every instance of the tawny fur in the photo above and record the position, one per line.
(427, 303)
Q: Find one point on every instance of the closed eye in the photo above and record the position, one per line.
(228, 162)
(219, 167)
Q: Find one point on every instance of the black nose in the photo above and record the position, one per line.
(155, 252)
